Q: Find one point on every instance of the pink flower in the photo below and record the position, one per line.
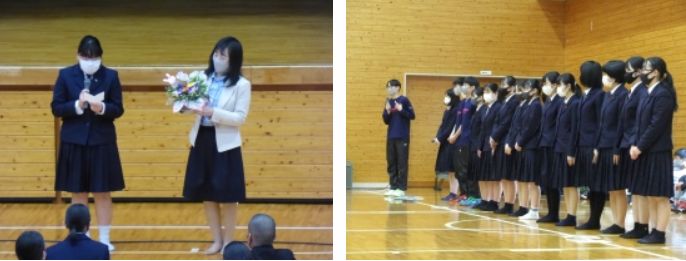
(170, 79)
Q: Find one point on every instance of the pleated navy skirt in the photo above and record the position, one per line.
(444, 159)
(547, 156)
(487, 172)
(503, 164)
(585, 169)
(516, 165)
(564, 175)
(625, 170)
(211, 175)
(654, 175)
(531, 172)
(89, 168)
(603, 179)
(474, 166)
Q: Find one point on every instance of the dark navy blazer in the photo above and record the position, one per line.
(503, 120)
(487, 122)
(609, 118)
(627, 121)
(567, 121)
(654, 121)
(531, 126)
(476, 137)
(267, 252)
(590, 107)
(84, 249)
(516, 127)
(550, 110)
(447, 124)
(88, 128)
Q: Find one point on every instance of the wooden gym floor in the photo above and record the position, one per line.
(434, 229)
(173, 230)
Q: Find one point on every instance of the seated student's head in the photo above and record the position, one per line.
(261, 230)
(30, 246)
(680, 159)
(77, 220)
(237, 251)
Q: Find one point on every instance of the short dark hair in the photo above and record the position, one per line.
(89, 47)
(478, 92)
(237, 251)
(472, 81)
(262, 228)
(509, 80)
(591, 75)
(615, 69)
(235, 51)
(636, 63)
(393, 83)
(458, 81)
(30, 246)
(551, 77)
(491, 86)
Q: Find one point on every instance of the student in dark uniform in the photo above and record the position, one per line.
(627, 168)
(491, 191)
(547, 146)
(564, 169)
(444, 159)
(461, 147)
(457, 90)
(501, 161)
(605, 178)
(527, 144)
(475, 138)
(587, 136)
(652, 146)
(78, 246)
(510, 139)
(397, 115)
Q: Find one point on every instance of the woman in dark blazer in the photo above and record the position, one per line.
(88, 160)
(605, 179)
(547, 145)
(627, 168)
(501, 161)
(564, 168)
(517, 166)
(652, 146)
(444, 159)
(527, 144)
(586, 137)
(490, 195)
(215, 172)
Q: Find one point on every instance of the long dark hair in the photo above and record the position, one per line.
(235, 59)
(568, 78)
(591, 75)
(615, 69)
(665, 77)
(89, 47)
(454, 99)
(78, 219)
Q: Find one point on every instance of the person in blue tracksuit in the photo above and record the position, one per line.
(546, 144)
(490, 193)
(527, 144)
(627, 168)
(444, 159)
(586, 137)
(501, 161)
(652, 146)
(397, 115)
(564, 169)
(517, 167)
(605, 179)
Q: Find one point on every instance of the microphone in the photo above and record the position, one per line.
(86, 87)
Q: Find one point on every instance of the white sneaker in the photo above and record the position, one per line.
(109, 245)
(399, 193)
(389, 193)
(532, 215)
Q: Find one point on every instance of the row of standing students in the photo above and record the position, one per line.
(551, 134)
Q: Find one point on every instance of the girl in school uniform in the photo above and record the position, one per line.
(491, 191)
(652, 146)
(605, 178)
(527, 144)
(510, 140)
(501, 161)
(547, 146)
(586, 138)
(626, 168)
(564, 169)
(474, 141)
(444, 166)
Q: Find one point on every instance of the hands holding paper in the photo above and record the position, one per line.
(94, 102)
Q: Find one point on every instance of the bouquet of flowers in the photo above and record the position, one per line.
(187, 91)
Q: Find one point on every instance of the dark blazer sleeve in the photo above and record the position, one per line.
(575, 110)
(599, 111)
(61, 105)
(447, 126)
(529, 130)
(114, 108)
(505, 123)
(662, 114)
(285, 254)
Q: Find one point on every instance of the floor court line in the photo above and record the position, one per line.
(375, 212)
(117, 252)
(492, 250)
(562, 234)
(155, 227)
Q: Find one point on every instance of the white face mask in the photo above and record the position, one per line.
(446, 100)
(606, 81)
(465, 89)
(561, 91)
(457, 90)
(89, 67)
(547, 89)
(488, 98)
(220, 65)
